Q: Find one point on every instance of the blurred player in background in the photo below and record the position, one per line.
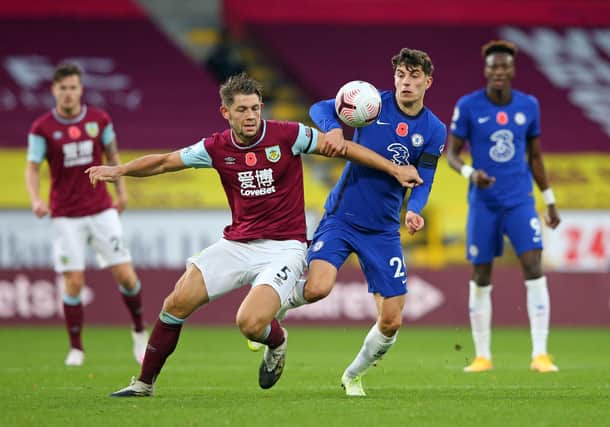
(73, 137)
(363, 209)
(502, 126)
(259, 163)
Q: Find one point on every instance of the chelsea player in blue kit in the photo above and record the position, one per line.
(363, 209)
(502, 126)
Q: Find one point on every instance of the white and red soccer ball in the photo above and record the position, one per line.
(358, 103)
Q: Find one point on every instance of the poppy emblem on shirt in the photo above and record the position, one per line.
(251, 159)
(74, 132)
(92, 129)
(273, 153)
(402, 129)
(502, 118)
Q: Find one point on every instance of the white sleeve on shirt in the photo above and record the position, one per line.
(37, 148)
(307, 140)
(108, 134)
(196, 156)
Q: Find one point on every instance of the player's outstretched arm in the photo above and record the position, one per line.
(152, 164)
(406, 175)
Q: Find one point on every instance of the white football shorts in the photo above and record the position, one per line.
(227, 265)
(103, 231)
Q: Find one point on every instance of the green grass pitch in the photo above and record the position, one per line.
(211, 380)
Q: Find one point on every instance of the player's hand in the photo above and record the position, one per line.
(480, 178)
(551, 218)
(40, 208)
(121, 203)
(103, 173)
(334, 144)
(408, 176)
(414, 222)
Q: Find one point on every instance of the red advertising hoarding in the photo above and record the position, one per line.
(435, 298)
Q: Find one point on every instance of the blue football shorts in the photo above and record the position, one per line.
(487, 226)
(379, 253)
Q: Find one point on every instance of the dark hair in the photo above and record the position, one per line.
(499, 46)
(66, 69)
(411, 58)
(239, 84)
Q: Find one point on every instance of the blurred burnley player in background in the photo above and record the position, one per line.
(72, 138)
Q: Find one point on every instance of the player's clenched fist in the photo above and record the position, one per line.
(414, 222)
(481, 179)
(408, 176)
(333, 144)
(103, 173)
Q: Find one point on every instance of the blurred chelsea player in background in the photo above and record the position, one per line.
(502, 127)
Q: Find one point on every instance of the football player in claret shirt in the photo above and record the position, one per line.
(363, 209)
(502, 127)
(259, 163)
(73, 137)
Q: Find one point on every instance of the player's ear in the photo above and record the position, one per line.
(224, 112)
(429, 82)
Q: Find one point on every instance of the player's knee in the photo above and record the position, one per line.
(532, 270)
(177, 306)
(250, 326)
(73, 283)
(125, 276)
(389, 325)
(481, 279)
(315, 290)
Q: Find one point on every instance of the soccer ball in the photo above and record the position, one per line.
(358, 103)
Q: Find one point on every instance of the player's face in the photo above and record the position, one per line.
(244, 116)
(410, 84)
(67, 93)
(499, 70)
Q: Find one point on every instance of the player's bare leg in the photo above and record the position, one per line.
(480, 311)
(189, 293)
(538, 310)
(73, 315)
(131, 292)
(255, 319)
(378, 341)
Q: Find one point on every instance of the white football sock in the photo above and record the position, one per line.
(539, 312)
(479, 307)
(375, 345)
